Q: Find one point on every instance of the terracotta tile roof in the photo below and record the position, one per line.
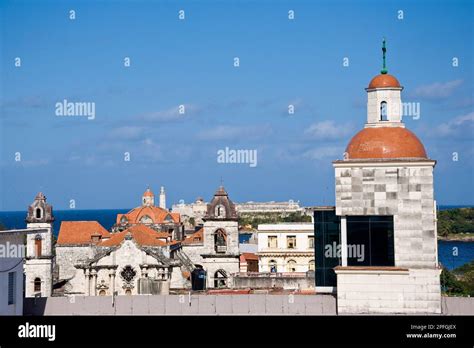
(384, 81)
(80, 232)
(157, 214)
(148, 193)
(385, 142)
(142, 234)
(196, 238)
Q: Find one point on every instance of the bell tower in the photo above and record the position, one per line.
(384, 104)
(221, 240)
(162, 197)
(39, 247)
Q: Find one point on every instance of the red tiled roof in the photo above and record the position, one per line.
(156, 214)
(80, 232)
(384, 81)
(148, 193)
(196, 238)
(142, 234)
(385, 142)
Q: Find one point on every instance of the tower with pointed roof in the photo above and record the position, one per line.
(220, 252)
(385, 200)
(39, 256)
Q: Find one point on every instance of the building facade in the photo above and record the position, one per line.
(286, 247)
(11, 272)
(139, 255)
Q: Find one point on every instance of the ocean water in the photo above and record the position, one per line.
(450, 254)
(106, 217)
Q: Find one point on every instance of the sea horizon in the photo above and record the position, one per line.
(107, 218)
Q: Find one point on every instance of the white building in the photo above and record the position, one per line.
(286, 247)
(191, 214)
(289, 206)
(11, 272)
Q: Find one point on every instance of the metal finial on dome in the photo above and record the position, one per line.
(384, 50)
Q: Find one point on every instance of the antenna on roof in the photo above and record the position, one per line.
(384, 50)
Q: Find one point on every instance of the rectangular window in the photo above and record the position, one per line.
(291, 242)
(272, 242)
(327, 227)
(11, 287)
(310, 242)
(370, 241)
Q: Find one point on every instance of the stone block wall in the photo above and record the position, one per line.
(378, 292)
(402, 190)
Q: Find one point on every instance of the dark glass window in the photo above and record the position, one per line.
(11, 287)
(327, 238)
(37, 285)
(370, 241)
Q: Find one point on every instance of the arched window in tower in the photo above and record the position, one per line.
(272, 265)
(37, 285)
(220, 211)
(38, 213)
(311, 265)
(38, 245)
(220, 241)
(291, 266)
(383, 111)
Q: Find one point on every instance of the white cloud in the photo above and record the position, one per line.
(234, 132)
(437, 90)
(328, 130)
(126, 132)
(171, 114)
(323, 152)
(456, 125)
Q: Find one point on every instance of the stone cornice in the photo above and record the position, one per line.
(384, 163)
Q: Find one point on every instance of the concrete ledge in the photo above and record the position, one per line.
(370, 270)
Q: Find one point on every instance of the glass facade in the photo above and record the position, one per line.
(327, 228)
(370, 241)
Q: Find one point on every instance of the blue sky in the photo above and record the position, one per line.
(190, 62)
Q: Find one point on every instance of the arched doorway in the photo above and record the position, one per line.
(311, 265)
(291, 266)
(220, 279)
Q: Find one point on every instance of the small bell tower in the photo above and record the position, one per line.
(384, 104)
(39, 248)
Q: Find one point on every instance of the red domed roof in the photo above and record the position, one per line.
(385, 143)
(156, 214)
(384, 81)
(148, 193)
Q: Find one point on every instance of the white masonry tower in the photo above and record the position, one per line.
(162, 197)
(39, 258)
